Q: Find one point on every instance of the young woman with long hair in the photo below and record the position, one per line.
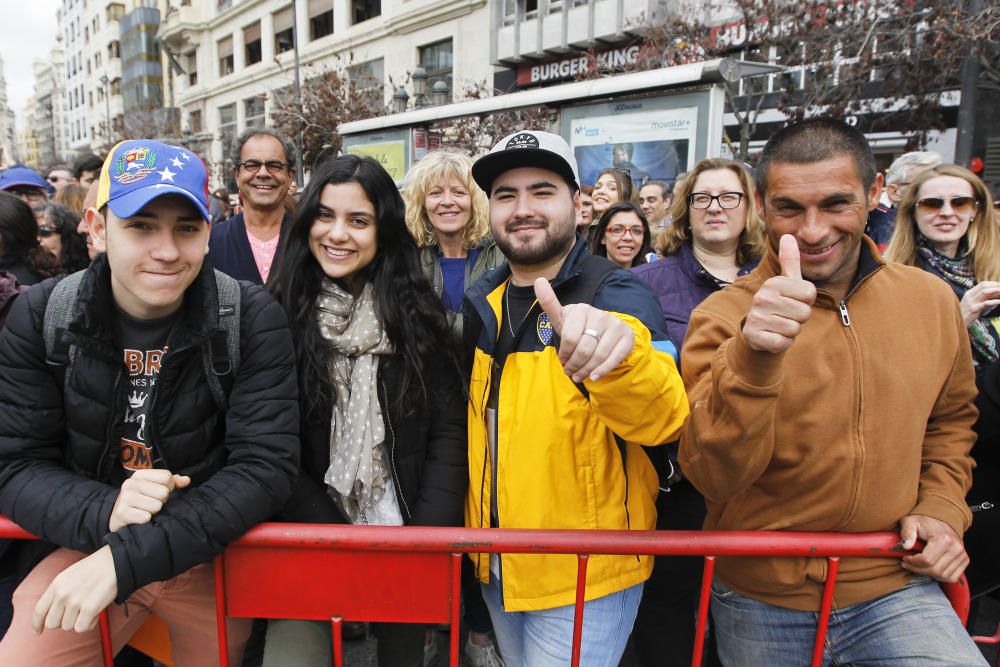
(612, 185)
(383, 410)
(622, 235)
(21, 255)
(946, 225)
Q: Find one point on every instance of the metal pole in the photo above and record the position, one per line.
(298, 98)
(967, 108)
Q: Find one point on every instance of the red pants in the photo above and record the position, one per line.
(186, 603)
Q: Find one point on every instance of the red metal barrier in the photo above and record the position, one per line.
(412, 575)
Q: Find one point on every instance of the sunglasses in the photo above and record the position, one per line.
(46, 231)
(959, 205)
(27, 193)
(53, 179)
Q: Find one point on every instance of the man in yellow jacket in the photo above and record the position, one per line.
(569, 375)
(832, 392)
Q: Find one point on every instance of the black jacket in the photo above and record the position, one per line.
(230, 251)
(426, 452)
(58, 445)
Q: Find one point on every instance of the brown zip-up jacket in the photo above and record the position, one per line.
(867, 418)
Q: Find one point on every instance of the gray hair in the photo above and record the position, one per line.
(900, 168)
(252, 132)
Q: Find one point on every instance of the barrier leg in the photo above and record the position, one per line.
(337, 624)
(107, 654)
(703, 601)
(456, 608)
(824, 610)
(581, 587)
(220, 612)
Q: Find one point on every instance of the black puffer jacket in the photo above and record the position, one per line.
(426, 452)
(58, 447)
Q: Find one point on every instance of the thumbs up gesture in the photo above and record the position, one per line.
(782, 305)
(592, 342)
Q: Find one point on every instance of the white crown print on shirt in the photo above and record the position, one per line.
(137, 400)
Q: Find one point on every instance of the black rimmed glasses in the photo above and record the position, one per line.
(272, 166)
(725, 199)
(960, 205)
(616, 231)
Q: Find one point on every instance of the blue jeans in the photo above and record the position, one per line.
(914, 626)
(544, 638)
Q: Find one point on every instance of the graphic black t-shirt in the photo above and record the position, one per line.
(143, 344)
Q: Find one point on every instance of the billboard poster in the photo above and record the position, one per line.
(390, 154)
(650, 145)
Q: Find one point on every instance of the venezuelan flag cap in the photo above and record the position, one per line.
(138, 171)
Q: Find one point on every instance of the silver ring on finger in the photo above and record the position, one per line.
(592, 332)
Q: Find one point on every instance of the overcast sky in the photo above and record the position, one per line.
(25, 34)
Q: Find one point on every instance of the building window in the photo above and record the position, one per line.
(362, 10)
(284, 39)
(251, 41)
(116, 86)
(253, 111)
(115, 11)
(436, 60)
(114, 50)
(90, 99)
(226, 65)
(369, 81)
(192, 68)
(320, 18)
(227, 135)
(194, 121)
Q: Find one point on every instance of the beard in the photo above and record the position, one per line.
(554, 241)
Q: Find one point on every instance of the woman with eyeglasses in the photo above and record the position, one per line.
(381, 403)
(946, 225)
(57, 233)
(716, 236)
(21, 254)
(612, 185)
(622, 235)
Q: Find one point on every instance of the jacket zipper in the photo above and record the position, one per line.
(109, 436)
(392, 453)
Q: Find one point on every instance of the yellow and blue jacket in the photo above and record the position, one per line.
(559, 463)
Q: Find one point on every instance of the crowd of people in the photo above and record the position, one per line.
(496, 344)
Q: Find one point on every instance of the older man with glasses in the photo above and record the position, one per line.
(247, 246)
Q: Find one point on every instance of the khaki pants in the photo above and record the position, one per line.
(186, 603)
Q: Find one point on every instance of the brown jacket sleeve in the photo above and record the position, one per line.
(728, 440)
(946, 471)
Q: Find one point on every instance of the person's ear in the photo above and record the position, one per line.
(96, 224)
(875, 192)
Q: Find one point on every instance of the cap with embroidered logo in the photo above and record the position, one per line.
(527, 148)
(138, 171)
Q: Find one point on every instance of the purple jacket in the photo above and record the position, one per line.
(680, 284)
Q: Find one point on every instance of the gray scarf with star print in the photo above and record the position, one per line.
(358, 476)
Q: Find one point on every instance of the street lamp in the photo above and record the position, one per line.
(400, 99)
(440, 92)
(107, 105)
(419, 87)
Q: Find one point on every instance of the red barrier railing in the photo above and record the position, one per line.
(412, 575)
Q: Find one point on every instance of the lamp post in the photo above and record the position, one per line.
(440, 93)
(107, 105)
(299, 176)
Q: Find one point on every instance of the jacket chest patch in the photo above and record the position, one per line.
(543, 327)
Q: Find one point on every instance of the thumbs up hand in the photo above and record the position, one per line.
(782, 305)
(592, 342)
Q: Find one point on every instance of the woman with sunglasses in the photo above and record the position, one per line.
(21, 255)
(622, 235)
(715, 236)
(57, 233)
(382, 406)
(946, 225)
(612, 185)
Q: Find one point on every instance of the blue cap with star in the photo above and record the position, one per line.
(138, 171)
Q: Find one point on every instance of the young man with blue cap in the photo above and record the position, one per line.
(148, 416)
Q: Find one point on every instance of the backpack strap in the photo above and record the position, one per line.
(221, 354)
(59, 311)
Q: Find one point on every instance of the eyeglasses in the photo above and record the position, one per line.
(725, 199)
(619, 230)
(46, 231)
(253, 166)
(959, 205)
(53, 179)
(34, 194)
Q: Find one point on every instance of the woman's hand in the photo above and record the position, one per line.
(980, 298)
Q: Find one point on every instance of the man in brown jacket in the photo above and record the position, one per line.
(831, 391)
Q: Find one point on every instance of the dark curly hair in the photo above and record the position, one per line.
(19, 238)
(411, 313)
(73, 256)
